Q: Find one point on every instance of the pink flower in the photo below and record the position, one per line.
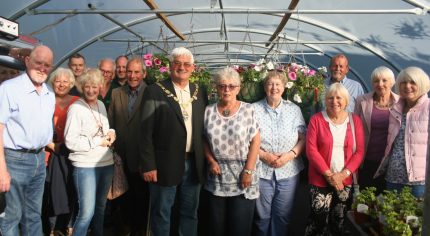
(311, 72)
(147, 56)
(292, 76)
(148, 63)
(163, 69)
(157, 61)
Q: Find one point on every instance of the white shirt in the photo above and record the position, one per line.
(338, 131)
(184, 97)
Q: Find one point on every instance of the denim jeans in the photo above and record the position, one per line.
(274, 207)
(231, 216)
(24, 199)
(416, 190)
(92, 186)
(163, 198)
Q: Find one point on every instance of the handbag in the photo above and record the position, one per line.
(2, 202)
(356, 186)
(119, 181)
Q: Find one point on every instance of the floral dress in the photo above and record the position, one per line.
(396, 171)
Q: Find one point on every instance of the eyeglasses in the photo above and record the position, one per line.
(225, 86)
(105, 72)
(186, 65)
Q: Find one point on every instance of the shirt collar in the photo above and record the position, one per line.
(343, 81)
(29, 87)
(268, 107)
(129, 91)
(186, 88)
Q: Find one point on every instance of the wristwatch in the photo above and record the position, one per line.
(249, 172)
(348, 173)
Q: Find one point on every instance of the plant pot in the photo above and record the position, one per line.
(361, 218)
(251, 92)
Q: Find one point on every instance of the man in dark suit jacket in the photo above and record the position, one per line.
(125, 117)
(171, 145)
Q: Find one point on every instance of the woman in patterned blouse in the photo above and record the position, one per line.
(231, 150)
(283, 131)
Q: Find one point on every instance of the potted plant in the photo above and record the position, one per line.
(400, 213)
(364, 205)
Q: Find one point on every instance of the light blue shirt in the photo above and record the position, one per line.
(354, 89)
(279, 131)
(27, 116)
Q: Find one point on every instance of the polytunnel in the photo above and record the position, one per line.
(392, 33)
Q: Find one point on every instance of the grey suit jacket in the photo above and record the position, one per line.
(127, 126)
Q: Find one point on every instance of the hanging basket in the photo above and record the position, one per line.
(251, 91)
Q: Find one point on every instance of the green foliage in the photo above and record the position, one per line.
(366, 196)
(396, 208)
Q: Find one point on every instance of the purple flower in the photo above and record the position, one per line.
(292, 76)
(163, 69)
(148, 63)
(147, 56)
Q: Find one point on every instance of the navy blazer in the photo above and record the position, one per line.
(163, 134)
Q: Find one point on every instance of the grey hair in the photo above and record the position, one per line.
(276, 74)
(339, 89)
(227, 73)
(107, 60)
(137, 60)
(60, 71)
(91, 76)
(383, 72)
(417, 75)
(181, 51)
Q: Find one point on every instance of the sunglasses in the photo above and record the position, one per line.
(225, 86)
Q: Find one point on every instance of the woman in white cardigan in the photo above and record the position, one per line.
(88, 137)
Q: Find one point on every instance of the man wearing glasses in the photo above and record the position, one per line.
(171, 148)
(107, 67)
(26, 110)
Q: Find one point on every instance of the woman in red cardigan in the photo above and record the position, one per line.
(333, 153)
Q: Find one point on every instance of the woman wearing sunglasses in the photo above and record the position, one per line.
(233, 142)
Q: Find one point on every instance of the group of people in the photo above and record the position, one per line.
(245, 157)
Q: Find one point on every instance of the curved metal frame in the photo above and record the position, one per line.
(303, 19)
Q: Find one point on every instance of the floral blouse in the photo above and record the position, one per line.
(229, 139)
(396, 172)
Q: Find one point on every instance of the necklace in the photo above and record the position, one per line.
(227, 111)
(378, 104)
(183, 105)
(98, 122)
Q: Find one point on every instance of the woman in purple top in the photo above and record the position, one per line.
(373, 108)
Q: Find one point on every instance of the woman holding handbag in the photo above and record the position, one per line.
(330, 144)
(88, 137)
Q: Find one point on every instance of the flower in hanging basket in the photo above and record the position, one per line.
(297, 98)
(157, 67)
(304, 83)
(202, 76)
(292, 76)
